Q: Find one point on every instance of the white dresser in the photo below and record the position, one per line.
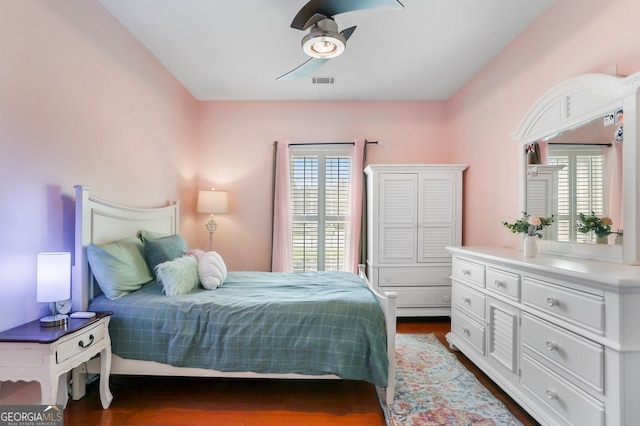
(560, 335)
(413, 213)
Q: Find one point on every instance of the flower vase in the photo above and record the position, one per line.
(530, 247)
(602, 240)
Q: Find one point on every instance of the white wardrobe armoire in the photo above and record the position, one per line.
(414, 211)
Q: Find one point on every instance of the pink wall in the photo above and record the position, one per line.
(572, 37)
(80, 103)
(236, 154)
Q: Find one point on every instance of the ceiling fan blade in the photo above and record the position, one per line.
(317, 17)
(334, 7)
(347, 33)
(304, 70)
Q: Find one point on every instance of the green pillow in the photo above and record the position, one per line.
(145, 234)
(160, 250)
(119, 267)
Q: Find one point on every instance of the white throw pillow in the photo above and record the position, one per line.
(211, 270)
(178, 276)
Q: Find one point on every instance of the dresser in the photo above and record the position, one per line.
(561, 335)
(413, 213)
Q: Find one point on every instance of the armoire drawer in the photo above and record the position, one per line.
(581, 357)
(413, 297)
(469, 271)
(469, 330)
(559, 395)
(390, 277)
(576, 306)
(504, 283)
(468, 300)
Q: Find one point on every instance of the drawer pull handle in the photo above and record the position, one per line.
(465, 299)
(82, 345)
(464, 329)
(466, 272)
(552, 346)
(498, 283)
(388, 278)
(447, 299)
(552, 301)
(551, 394)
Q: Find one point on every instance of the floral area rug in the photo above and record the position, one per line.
(434, 388)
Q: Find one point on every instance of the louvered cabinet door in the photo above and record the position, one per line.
(397, 217)
(502, 347)
(437, 215)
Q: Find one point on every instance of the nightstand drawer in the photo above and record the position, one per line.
(80, 342)
(578, 307)
(472, 272)
(504, 283)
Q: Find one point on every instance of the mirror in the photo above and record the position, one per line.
(554, 128)
(575, 171)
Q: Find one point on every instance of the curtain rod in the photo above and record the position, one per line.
(331, 143)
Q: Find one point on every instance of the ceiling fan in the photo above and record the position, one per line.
(323, 41)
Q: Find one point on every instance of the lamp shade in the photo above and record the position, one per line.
(213, 202)
(54, 277)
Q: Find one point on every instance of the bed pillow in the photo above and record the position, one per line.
(178, 276)
(119, 267)
(145, 234)
(211, 270)
(163, 249)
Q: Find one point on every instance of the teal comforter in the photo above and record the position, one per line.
(310, 323)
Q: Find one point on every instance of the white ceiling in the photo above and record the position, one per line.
(235, 49)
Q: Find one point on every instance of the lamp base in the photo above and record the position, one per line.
(56, 320)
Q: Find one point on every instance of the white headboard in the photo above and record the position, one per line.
(101, 222)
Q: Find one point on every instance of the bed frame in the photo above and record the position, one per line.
(101, 222)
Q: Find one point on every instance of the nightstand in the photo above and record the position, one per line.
(33, 353)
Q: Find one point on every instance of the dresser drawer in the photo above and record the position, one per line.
(469, 300)
(562, 397)
(390, 277)
(468, 329)
(81, 342)
(413, 297)
(582, 358)
(503, 283)
(576, 306)
(470, 271)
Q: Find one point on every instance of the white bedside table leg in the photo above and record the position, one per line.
(49, 391)
(105, 368)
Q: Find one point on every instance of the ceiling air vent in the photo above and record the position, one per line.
(322, 80)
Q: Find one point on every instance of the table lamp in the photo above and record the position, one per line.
(54, 284)
(212, 202)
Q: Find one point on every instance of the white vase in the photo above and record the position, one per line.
(530, 247)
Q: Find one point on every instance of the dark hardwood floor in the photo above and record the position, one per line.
(158, 401)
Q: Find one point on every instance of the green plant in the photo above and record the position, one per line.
(529, 225)
(601, 226)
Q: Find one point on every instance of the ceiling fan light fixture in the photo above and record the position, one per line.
(323, 46)
(324, 40)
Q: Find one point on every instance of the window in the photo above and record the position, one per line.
(319, 195)
(580, 187)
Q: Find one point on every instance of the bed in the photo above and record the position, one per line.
(318, 325)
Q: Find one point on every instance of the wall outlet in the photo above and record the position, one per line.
(608, 119)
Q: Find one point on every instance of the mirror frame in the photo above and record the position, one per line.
(569, 104)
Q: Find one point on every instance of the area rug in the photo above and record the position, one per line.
(434, 388)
